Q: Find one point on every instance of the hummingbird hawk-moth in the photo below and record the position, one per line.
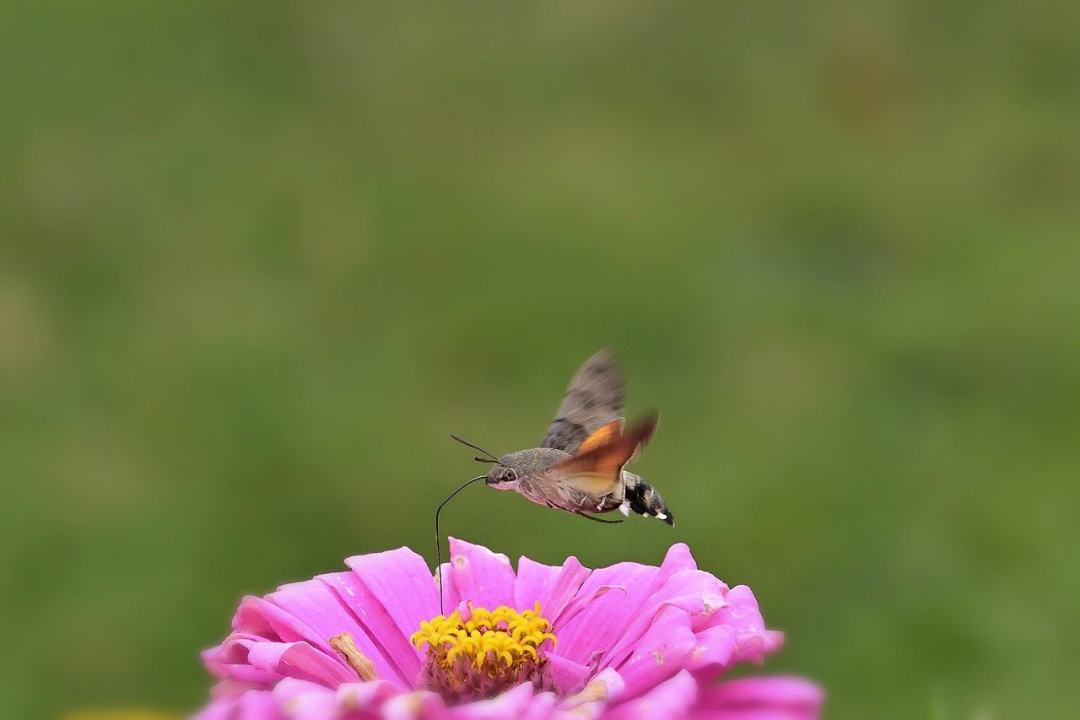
(579, 465)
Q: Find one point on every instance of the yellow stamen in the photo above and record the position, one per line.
(491, 650)
(502, 633)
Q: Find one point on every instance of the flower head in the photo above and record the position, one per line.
(491, 651)
(540, 642)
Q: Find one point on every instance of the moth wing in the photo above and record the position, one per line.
(594, 398)
(595, 484)
(597, 471)
(604, 434)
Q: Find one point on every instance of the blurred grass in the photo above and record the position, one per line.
(258, 259)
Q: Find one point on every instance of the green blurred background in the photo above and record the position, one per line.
(257, 260)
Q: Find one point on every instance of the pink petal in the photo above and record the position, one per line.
(609, 601)
(554, 587)
(251, 705)
(679, 557)
(534, 582)
(402, 661)
(697, 592)
(419, 705)
(692, 592)
(671, 700)
(713, 652)
(289, 690)
(256, 705)
(765, 698)
(217, 709)
(610, 686)
(300, 660)
(479, 576)
(306, 701)
(317, 604)
(514, 704)
(542, 707)
(257, 616)
(260, 621)
(741, 613)
(300, 700)
(401, 580)
(229, 661)
(660, 653)
(568, 676)
(597, 617)
(366, 695)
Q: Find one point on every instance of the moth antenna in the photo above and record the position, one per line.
(474, 447)
(484, 460)
(438, 536)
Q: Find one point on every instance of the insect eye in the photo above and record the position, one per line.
(510, 475)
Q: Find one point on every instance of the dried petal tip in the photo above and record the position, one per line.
(344, 644)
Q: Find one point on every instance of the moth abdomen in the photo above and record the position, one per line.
(643, 499)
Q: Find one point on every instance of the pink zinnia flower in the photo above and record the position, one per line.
(626, 641)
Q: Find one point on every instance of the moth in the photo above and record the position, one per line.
(579, 466)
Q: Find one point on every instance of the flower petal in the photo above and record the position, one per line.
(741, 613)
(692, 592)
(514, 704)
(592, 701)
(766, 698)
(542, 707)
(229, 661)
(568, 676)
(660, 653)
(609, 601)
(263, 622)
(299, 660)
(306, 701)
(400, 580)
(479, 576)
(671, 700)
(713, 652)
(251, 705)
(258, 616)
(365, 695)
(318, 606)
(553, 586)
(418, 705)
(402, 659)
(597, 617)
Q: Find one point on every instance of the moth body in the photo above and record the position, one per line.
(579, 465)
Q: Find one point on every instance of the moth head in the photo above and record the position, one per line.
(502, 477)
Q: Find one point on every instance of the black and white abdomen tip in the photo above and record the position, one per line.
(642, 498)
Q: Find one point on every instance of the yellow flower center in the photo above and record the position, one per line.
(492, 650)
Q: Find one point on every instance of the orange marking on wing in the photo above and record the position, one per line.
(597, 470)
(603, 435)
